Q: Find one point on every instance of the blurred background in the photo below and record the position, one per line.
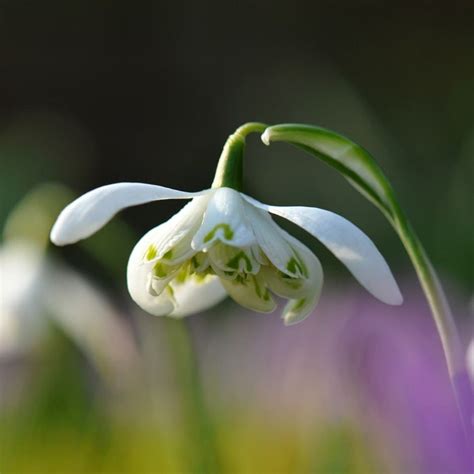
(93, 93)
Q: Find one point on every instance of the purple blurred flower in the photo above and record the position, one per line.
(356, 360)
(396, 360)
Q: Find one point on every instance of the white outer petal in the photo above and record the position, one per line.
(138, 274)
(348, 243)
(93, 210)
(22, 268)
(193, 297)
(270, 237)
(226, 207)
(179, 230)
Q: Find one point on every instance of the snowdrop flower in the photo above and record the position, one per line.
(21, 266)
(225, 242)
(37, 293)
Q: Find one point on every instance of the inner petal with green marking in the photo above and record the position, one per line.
(226, 230)
(229, 262)
(251, 292)
(270, 261)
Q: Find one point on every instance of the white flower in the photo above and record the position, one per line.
(224, 242)
(38, 291)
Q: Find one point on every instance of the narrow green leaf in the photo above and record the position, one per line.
(361, 170)
(350, 159)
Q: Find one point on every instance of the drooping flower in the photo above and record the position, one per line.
(224, 242)
(39, 293)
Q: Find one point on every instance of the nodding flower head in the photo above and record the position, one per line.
(224, 242)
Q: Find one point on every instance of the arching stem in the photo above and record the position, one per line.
(230, 165)
(360, 169)
(442, 316)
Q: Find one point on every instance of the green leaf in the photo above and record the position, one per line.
(350, 159)
(361, 170)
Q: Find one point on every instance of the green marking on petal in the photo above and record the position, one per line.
(262, 292)
(291, 281)
(228, 232)
(151, 252)
(160, 270)
(296, 265)
(234, 261)
(168, 255)
(199, 262)
(183, 274)
(241, 279)
(257, 287)
(265, 295)
(191, 269)
(203, 274)
(201, 277)
(299, 304)
(170, 291)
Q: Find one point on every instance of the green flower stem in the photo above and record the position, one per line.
(443, 318)
(434, 294)
(362, 172)
(201, 441)
(230, 165)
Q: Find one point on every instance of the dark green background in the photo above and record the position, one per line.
(100, 91)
